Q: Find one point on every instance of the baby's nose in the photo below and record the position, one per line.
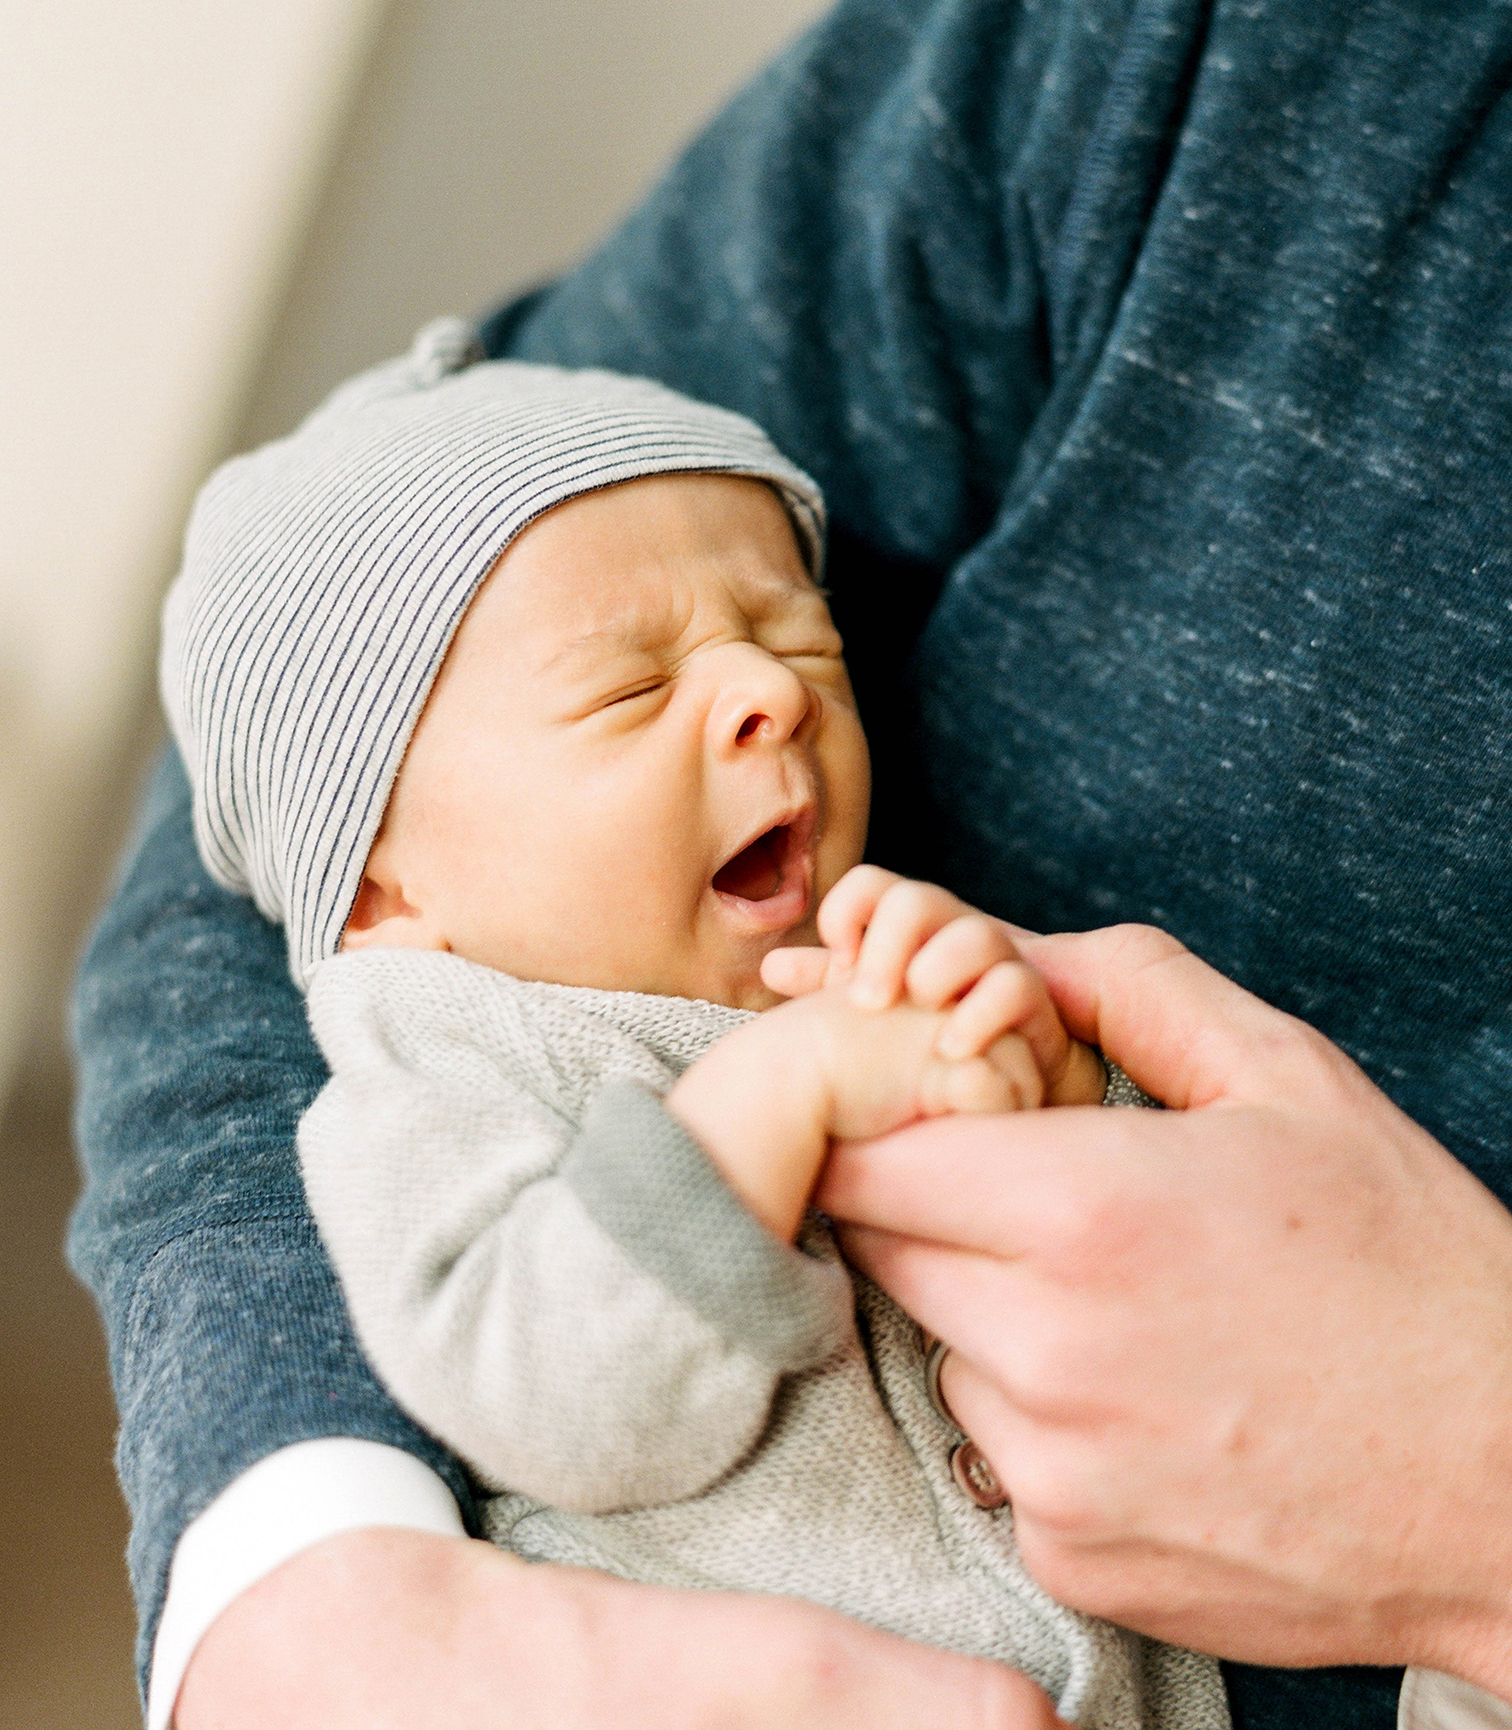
(762, 701)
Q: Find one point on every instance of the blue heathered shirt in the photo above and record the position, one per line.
(1156, 359)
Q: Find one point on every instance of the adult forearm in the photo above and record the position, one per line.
(403, 1629)
(227, 1334)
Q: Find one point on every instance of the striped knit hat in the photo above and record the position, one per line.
(324, 575)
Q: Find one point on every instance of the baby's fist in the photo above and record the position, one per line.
(888, 938)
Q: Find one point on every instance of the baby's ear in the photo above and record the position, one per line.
(383, 918)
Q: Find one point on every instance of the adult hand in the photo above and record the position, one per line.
(1245, 1367)
(397, 1630)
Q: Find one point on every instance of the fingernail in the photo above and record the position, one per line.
(867, 994)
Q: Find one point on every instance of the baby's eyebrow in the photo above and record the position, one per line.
(630, 636)
(652, 628)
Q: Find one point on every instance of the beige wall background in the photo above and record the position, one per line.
(212, 212)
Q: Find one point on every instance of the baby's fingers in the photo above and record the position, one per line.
(796, 972)
(1007, 1079)
(908, 915)
(847, 910)
(1010, 997)
(951, 962)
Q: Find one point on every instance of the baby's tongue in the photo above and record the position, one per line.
(755, 873)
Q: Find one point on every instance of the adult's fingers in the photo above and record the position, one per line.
(1048, 1373)
(1003, 1184)
(1186, 1034)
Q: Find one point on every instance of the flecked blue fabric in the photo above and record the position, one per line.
(1155, 357)
(228, 1337)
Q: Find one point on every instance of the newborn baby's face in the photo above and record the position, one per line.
(641, 765)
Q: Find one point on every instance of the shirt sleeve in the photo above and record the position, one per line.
(1433, 1701)
(285, 1503)
(589, 1317)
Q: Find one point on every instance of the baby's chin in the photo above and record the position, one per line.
(757, 996)
(734, 981)
(735, 988)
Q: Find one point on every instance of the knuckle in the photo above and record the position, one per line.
(846, 906)
(975, 942)
(909, 899)
(1068, 1559)
(861, 879)
(1316, 1054)
(990, 935)
(1052, 1561)
(983, 1088)
(1094, 1236)
(1013, 1062)
(967, 926)
(1146, 943)
(1047, 1379)
(1013, 983)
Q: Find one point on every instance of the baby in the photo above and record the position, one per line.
(512, 693)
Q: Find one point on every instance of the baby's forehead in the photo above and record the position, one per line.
(617, 572)
(651, 601)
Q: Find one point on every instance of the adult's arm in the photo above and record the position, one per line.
(404, 1629)
(228, 1339)
(1243, 1365)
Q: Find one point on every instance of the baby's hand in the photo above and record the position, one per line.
(887, 937)
(977, 1032)
(767, 1099)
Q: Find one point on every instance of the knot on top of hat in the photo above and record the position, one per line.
(444, 346)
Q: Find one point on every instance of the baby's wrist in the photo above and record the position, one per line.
(756, 1104)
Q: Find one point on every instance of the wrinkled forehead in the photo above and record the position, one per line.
(662, 621)
(624, 573)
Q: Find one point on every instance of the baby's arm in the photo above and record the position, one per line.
(849, 1060)
(587, 1315)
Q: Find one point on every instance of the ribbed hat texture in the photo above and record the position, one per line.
(324, 576)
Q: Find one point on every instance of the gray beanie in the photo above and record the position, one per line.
(324, 576)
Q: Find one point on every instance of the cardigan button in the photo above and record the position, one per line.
(969, 1468)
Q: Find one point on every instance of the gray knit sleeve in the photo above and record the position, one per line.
(588, 1316)
(651, 1189)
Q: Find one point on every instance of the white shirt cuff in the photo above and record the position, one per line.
(1433, 1701)
(275, 1509)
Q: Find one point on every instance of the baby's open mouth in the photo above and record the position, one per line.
(768, 884)
(757, 872)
